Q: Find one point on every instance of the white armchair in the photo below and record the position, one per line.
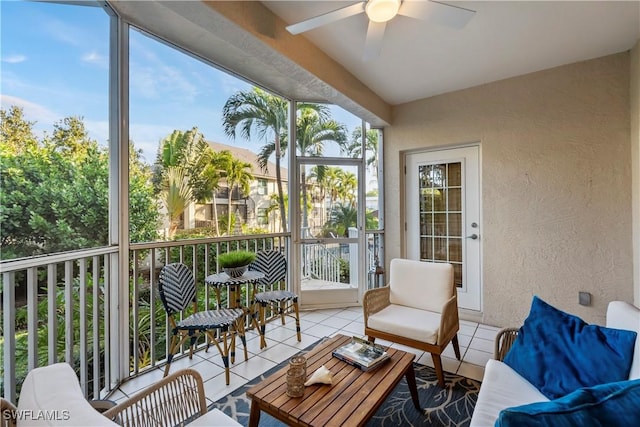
(419, 308)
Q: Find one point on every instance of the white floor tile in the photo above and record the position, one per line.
(336, 322)
(464, 340)
(215, 388)
(353, 328)
(467, 329)
(477, 357)
(278, 352)
(350, 314)
(469, 370)
(448, 365)
(487, 334)
(138, 383)
(314, 316)
(205, 368)
(253, 367)
(321, 331)
(307, 340)
(481, 344)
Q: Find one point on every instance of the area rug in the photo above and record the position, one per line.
(451, 406)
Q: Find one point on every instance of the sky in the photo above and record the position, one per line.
(54, 64)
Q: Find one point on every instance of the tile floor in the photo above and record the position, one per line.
(476, 347)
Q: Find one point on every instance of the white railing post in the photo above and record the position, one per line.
(353, 257)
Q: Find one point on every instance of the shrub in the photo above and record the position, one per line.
(236, 259)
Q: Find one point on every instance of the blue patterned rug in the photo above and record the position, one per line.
(451, 406)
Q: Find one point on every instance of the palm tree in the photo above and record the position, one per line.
(238, 176)
(348, 186)
(313, 130)
(213, 167)
(353, 147)
(267, 115)
(181, 149)
(274, 205)
(177, 170)
(332, 182)
(342, 217)
(176, 196)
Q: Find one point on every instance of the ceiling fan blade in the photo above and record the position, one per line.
(326, 18)
(441, 13)
(373, 42)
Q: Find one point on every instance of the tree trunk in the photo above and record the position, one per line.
(283, 213)
(215, 214)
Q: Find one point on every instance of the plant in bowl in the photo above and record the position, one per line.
(235, 263)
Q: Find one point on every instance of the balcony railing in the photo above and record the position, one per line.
(62, 307)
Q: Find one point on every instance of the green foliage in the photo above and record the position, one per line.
(55, 191)
(236, 259)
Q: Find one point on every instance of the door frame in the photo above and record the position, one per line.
(447, 153)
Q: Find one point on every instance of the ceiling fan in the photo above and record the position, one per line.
(380, 12)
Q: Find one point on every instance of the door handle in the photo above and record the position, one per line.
(473, 236)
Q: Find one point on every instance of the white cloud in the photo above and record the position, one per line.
(32, 112)
(14, 59)
(96, 58)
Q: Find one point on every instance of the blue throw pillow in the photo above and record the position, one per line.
(559, 353)
(614, 404)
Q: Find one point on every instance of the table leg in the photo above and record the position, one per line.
(254, 415)
(410, 375)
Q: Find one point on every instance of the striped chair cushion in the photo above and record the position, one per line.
(203, 320)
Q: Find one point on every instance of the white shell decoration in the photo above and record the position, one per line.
(321, 376)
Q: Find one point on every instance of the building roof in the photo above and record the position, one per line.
(250, 157)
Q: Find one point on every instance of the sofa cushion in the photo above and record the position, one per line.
(559, 353)
(408, 322)
(622, 315)
(502, 387)
(611, 404)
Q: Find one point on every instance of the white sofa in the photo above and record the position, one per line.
(503, 388)
(51, 396)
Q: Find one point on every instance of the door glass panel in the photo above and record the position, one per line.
(329, 226)
(440, 216)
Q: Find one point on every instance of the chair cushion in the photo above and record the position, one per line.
(407, 322)
(502, 387)
(423, 285)
(275, 296)
(559, 353)
(611, 404)
(211, 319)
(51, 395)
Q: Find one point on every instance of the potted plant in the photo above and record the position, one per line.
(235, 263)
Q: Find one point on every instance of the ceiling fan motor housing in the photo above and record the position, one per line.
(382, 10)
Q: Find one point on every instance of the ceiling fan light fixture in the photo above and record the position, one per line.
(382, 10)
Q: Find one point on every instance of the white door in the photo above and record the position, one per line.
(443, 215)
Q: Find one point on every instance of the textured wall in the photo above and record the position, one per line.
(556, 183)
(635, 161)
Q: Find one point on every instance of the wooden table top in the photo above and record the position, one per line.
(352, 399)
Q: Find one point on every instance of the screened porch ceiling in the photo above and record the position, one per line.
(418, 59)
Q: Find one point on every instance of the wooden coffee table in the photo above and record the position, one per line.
(352, 399)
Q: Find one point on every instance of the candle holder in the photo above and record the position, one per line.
(296, 376)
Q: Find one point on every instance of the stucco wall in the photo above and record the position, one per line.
(635, 161)
(556, 183)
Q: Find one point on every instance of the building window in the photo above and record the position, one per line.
(262, 187)
(262, 216)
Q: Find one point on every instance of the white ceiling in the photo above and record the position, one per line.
(504, 39)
